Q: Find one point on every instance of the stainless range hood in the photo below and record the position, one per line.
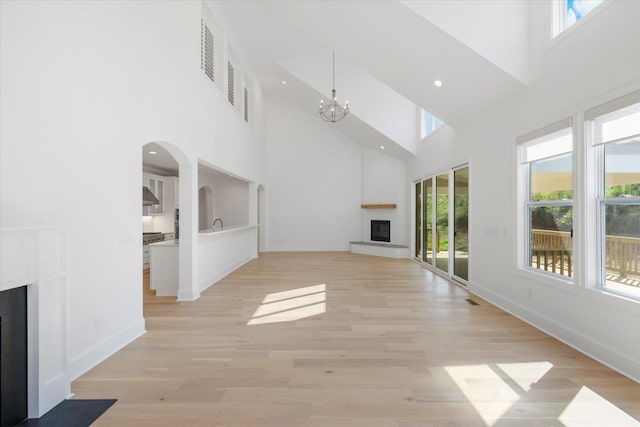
(148, 199)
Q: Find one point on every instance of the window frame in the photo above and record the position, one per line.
(558, 19)
(525, 204)
(597, 146)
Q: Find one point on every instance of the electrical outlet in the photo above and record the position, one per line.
(99, 322)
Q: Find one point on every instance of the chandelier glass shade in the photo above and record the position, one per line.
(332, 112)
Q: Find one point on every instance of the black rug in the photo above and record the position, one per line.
(71, 413)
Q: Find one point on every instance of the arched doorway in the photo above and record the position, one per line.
(184, 218)
(205, 208)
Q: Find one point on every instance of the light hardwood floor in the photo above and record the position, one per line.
(393, 345)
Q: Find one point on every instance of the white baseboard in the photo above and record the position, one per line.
(625, 364)
(308, 248)
(187, 295)
(92, 356)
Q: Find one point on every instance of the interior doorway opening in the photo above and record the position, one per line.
(167, 173)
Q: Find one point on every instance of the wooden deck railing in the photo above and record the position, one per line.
(552, 251)
(623, 255)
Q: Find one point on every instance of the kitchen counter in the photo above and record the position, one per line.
(214, 232)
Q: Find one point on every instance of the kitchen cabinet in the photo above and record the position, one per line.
(165, 188)
(172, 194)
(146, 257)
(156, 185)
(164, 273)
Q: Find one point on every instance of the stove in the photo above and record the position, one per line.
(152, 237)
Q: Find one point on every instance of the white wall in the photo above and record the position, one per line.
(84, 86)
(496, 29)
(313, 182)
(222, 252)
(230, 197)
(583, 69)
(317, 179)
(384, 183)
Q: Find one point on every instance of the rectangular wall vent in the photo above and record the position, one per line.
(230, 84)
(246, 105)
(207, 50)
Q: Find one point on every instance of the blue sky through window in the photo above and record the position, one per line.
(429, 123)
(576, 9)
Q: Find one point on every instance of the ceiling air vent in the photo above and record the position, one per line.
(207, 50)
(230, 84)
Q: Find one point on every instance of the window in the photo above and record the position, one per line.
(430, 123)
(616, 138)
(568, 12)
(547, 175)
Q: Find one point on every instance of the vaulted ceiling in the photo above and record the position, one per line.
(390, 53)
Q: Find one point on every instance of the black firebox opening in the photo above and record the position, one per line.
(380, 230)
(13, 356)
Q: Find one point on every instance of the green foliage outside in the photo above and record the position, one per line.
(621, 220)
(442, 222)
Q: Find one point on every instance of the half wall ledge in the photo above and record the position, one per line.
(379, 249)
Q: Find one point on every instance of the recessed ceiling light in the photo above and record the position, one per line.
(153, 152)
(438, 83)
(284, 83)
(382, 146)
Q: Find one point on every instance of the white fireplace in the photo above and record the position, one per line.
(36, 258)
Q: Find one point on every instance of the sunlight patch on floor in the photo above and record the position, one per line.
(294, 304)
(489, 394)
(486, 388)
(588, 408)
(526, 374)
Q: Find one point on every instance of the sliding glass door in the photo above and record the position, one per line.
(461, 223)
(427, 212)
(418, 236)
(442, 222)
(441, 240)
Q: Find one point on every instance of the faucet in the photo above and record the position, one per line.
(221, 224)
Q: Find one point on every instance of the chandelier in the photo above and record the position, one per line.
(332, 112)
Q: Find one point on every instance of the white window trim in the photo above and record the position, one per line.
(595, 200)
(559, 7)
(522, 241)
(588, 277)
